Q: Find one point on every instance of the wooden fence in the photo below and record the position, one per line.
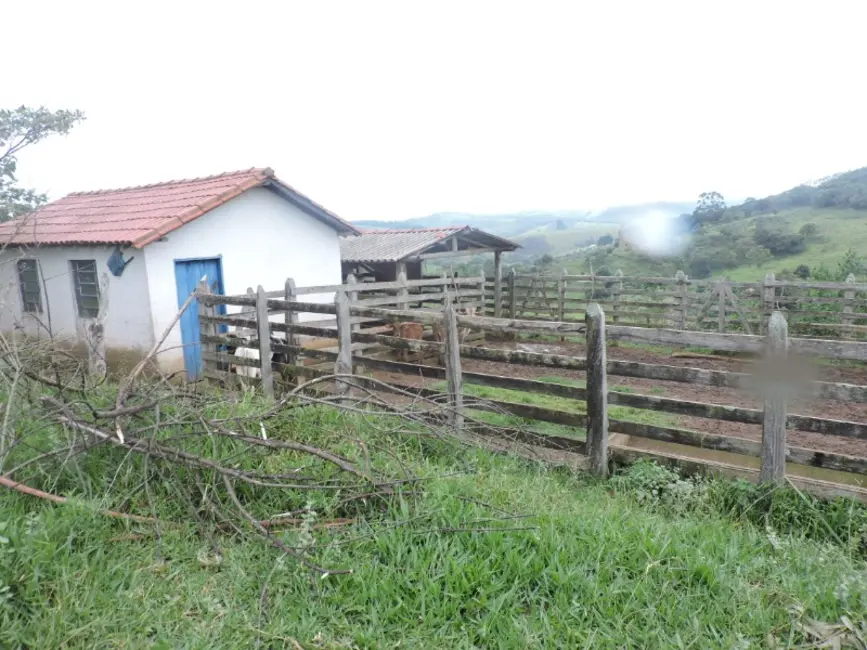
(358, 351)
(816, 309)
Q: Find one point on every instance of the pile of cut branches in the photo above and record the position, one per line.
(160, 453)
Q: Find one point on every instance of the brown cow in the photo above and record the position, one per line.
(412, 331)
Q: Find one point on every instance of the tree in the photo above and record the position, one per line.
(710, 207)
(802, 271)
(809, 230)
(605, 240)
(19, 128)
(850, 263)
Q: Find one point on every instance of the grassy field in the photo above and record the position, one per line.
(563, 241)
(646, 560)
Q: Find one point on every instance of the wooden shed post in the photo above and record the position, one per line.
(343, 364)
(291, 319)
(205, 328)
(403, 292)
(513, 298)
(773, 469)
(682, 299)
(848, 298)
(454, 375)
(264, 342)
(597, 391)
(498, 284)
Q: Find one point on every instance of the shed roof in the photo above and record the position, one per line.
(140, 215)
(401, 244)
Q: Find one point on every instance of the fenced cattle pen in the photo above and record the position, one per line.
(815, 309)
(352, 336)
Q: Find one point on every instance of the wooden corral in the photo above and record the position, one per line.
(365, 335)
(814, 309)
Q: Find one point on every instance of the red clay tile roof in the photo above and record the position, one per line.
(140, 215)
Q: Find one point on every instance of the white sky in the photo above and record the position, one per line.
(399, 109)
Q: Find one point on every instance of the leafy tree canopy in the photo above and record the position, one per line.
(19, 128)
(710, 207)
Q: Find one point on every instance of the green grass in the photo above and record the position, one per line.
(646, 560)
(599, 569)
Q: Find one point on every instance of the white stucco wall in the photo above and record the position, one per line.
(128, 321)
(262, 239)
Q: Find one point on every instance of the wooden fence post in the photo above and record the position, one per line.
(768, 296)
(682, 299)
(773, 469)
(353, 297)
(597, 391)
(721, 305)
(618, 289)
(291, 319)
(498, 285)
(848, 298)
(343, 364)
(403, 292)
(207, 329)
(561, 299)
(264, 342)
(454, 376)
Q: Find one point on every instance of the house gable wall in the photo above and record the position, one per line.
(260, 238)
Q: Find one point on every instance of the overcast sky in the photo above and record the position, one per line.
(399, 109)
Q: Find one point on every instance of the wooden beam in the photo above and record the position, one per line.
(453, 253)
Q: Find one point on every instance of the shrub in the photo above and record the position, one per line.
(802, 271)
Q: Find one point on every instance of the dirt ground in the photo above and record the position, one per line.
(831, 409)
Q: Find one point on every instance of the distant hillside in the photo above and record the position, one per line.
(504, 225)
(816, 230)
(580, 225)
(844, 190)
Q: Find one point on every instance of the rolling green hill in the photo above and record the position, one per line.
(817, 230)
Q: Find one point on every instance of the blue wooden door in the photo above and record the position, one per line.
(188, 274)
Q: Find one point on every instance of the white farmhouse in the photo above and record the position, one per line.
(149, 246)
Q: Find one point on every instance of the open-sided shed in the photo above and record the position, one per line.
(386, 255)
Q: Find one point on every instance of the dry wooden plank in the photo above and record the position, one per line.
(411, 298)
(385, 286)
(737, 342)
(597, 392)
(343, 363)
(838, 286)
(452, 358)
(773, 469)
(264, 333)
